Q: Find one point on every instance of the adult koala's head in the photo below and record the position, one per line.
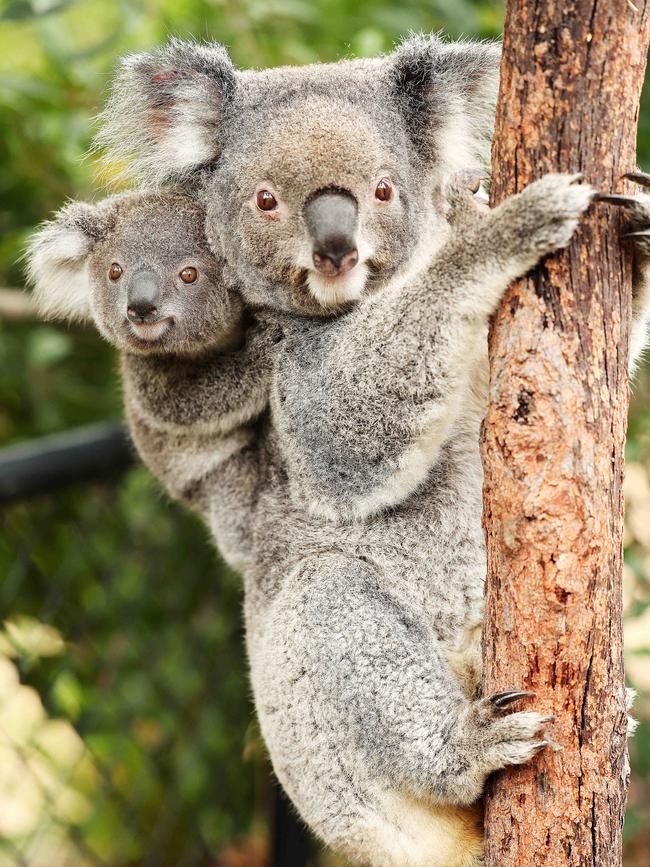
(139, 266)
(320, 182)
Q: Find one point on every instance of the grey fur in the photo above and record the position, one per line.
(361, 634)
(350, 657)
(365, 410)
(358, 634)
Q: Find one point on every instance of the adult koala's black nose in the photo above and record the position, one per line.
(143, 297)
(331, 217)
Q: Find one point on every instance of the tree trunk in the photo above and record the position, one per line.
(571, 76)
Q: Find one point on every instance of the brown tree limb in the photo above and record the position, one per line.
(16, 306)
(554, 436)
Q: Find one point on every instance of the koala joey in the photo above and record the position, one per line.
(139, 267)
(326, 192)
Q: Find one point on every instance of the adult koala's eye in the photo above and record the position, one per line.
(115, 271)
(189, 275)
(384, 190)
(265, 200)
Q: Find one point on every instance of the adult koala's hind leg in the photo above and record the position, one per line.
(367, 728)
(340, 677)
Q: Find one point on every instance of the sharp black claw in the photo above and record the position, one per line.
(615, 199)
(638, 178)
(538, 747)
(503, 699)
(548, 719)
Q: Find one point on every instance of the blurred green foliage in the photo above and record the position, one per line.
(151, 672)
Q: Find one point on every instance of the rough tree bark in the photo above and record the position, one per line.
(554, 434)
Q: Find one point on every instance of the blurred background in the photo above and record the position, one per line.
(126, 726)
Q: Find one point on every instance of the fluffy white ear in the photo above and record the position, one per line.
(57, 258)
(163, 116)
(447, 94)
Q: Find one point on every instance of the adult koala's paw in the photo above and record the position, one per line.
(499, 738)
(548, 211)
(637, 229)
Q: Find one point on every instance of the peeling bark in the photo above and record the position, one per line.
(554, 436)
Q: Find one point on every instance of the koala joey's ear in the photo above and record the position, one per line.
(57, 256)
(447, 94)
(164, 113)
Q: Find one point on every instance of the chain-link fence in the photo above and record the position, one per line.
(126, 733)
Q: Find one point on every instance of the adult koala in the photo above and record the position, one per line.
(323, 185)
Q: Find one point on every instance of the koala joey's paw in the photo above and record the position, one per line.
(551, 208)
(464, 206)
(466, 181)
(503, 738)
(638, 210)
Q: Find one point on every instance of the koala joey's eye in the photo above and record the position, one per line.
(189, 275)
(265, 200)
(384, 190)
(115, 271)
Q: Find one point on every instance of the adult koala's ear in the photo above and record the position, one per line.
(57, 257)
(163, 116)
(447, 94)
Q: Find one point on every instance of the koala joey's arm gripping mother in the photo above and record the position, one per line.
(215, 392)
(188, 414)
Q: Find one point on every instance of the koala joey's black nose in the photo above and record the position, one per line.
(140, 313)
(143, 297)
(331, 217)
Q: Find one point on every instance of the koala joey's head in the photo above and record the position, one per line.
(139, 266)
(321, 182)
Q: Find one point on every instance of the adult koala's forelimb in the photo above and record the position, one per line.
(385, 386)
(638, 231)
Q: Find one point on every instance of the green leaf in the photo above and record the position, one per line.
(47, 347)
